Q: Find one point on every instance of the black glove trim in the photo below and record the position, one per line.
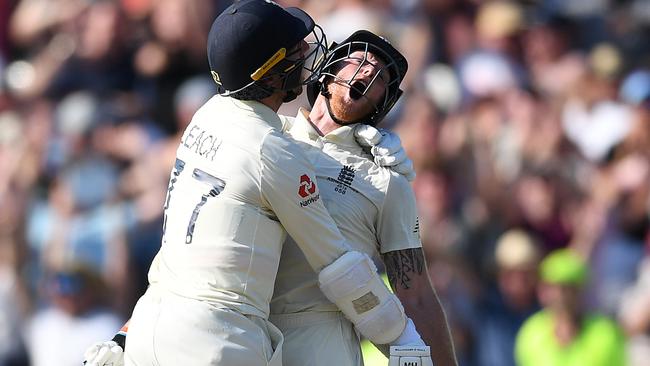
(120, 339)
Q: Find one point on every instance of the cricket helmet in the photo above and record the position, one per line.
(363, 40)
(252, 40)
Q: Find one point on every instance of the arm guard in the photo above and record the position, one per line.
(352, 283)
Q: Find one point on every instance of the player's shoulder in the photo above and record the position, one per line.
(397, 180)
(398, 190)
(278, 147)
(228, 111)
(287, 122)
(275, 139)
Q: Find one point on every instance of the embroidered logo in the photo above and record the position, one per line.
(307, 187)
(345, 178)
(307, 190)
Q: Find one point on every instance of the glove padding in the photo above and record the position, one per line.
(107, 353)
(386, 148)
(410, 356)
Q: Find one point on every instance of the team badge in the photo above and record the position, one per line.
(345, 178)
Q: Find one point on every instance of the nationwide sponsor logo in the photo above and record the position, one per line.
(307, 189)
(307, 186)
(309, 201)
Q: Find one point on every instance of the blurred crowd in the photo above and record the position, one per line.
(528, 123)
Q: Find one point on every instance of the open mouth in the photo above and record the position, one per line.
(356, 89)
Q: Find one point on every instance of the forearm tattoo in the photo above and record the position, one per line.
(401, 265)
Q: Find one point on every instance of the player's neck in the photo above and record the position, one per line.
(320, 117)
(274, 101)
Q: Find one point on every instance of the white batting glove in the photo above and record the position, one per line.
(386, 148)
(108, 353)
(409, 336)
(410, 356)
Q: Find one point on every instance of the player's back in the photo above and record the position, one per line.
(221, 242)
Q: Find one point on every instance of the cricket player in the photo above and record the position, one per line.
(373, 207)
(237, 188)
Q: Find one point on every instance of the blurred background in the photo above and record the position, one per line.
(528, 123)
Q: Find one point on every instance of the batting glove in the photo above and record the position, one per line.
(386, 148)
(109, 353)
(410, 356)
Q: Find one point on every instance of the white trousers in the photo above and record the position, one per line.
(318, 339)
(169, 330)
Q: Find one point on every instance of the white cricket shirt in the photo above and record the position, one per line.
(373, 207)
(238, 183)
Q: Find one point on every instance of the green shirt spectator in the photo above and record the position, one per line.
(599, 342)
(562, 334)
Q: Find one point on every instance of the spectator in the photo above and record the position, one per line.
(532, 115)
(562, 333)
(12, 306)
(504, 308)
(634, 316)
(59, 334)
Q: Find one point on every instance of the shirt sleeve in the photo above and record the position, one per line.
(288, 185)
(398, 225)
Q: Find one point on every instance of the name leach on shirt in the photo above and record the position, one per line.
(202, 142)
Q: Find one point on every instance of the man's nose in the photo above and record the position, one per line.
(368, 70)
